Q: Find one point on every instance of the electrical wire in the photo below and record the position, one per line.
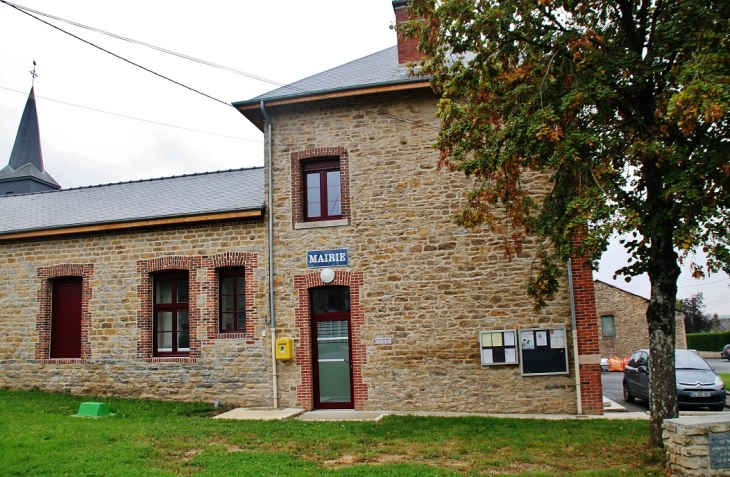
(133, 118)
(147, 45)
(26, 10)
(22, 10)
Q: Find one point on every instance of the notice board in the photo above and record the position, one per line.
(498, 347)
(544, 351)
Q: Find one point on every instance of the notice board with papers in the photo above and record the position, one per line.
(544, 351)
(498, 347)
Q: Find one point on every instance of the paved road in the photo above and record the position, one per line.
(613, 389)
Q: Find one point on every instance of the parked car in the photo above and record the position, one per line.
(698, 385)
(725, 353)
(604, 365)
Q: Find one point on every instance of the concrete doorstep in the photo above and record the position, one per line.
(612, 410)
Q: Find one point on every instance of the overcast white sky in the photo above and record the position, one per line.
(280, 40)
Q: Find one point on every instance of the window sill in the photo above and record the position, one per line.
(63, 361)
(171, 359)
(231, 336)
(321, 224)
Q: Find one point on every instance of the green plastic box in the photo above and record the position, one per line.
(93, 409)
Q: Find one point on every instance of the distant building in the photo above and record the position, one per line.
(25, 172)
(622, 326)
(720, 322)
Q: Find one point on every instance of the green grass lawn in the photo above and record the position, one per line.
(39, 436)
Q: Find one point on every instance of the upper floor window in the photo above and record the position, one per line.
(232, 299)
(323, 191)
(171, 324)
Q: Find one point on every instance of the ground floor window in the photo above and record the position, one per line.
(232, 299)
(608, 326)
(171, 324)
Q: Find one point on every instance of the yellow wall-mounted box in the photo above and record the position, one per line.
(284, 348)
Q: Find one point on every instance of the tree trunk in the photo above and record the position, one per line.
(663, 273)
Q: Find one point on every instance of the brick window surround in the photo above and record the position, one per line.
(297, 177)
(303, 322)
(210, 316)
(202, 281)
(46, 275)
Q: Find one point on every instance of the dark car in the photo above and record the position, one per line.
(725, 353)
(697, 383)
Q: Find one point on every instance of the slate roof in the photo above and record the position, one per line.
(178, 196)
(378, 69)
(26, 159)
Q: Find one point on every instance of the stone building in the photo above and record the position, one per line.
(622, 327)
(377, 299)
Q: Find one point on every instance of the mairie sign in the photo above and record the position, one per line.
(327, 258)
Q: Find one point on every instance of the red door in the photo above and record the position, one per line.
(66, 318)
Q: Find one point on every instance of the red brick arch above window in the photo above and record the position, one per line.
(300, 157)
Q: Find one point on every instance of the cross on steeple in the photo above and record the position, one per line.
(33, 74)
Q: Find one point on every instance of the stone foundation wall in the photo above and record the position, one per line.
(698, 446)
(233, 369)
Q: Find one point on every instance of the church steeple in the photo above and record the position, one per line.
(25, 172)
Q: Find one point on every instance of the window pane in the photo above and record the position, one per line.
(240, 302)
(164, 341)
(330, 299)
(227, 321)
(227, 303)
(183, 323)
(240, 284)
(182, 290)
(314, 203)
(241, 325)
(163, 291)
(227, 285)
(164, 321)
(608, 326)
(334, 204)
(183, 341)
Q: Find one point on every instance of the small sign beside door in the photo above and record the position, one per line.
(328, 258)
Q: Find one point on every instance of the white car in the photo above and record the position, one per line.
(604, 364)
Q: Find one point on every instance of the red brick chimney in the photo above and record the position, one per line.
(407, 48)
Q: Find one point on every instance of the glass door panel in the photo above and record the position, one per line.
(333, 362)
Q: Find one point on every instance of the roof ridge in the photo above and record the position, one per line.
(290, 89)
(137, 181)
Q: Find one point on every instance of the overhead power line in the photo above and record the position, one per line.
(23, 10)
(28, 11)
(147, 45)
(133, 117)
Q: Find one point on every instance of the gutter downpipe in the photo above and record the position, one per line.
(575, 338)
(270, 186)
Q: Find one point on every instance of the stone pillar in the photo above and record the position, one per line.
(698, 445)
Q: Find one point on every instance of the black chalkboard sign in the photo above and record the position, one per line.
(544, 351)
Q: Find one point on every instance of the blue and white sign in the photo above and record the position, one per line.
(328, 258)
